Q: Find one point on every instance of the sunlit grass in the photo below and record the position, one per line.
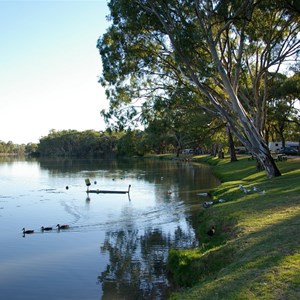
(255, 253)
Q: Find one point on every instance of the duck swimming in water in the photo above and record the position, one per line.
(27, 231)
(46, 228)
(62, 226)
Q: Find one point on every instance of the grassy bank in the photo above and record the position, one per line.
(255, 251)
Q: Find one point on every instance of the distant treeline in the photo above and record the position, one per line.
(74, 143)
(69, 143)
(112, 143)
(10, 148)
(91, 143)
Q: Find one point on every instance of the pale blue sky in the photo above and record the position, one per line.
(49, 67)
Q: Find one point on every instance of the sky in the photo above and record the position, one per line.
(49, 67)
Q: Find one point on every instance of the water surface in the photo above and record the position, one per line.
(116, 247)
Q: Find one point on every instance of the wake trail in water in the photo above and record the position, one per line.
(139, 219)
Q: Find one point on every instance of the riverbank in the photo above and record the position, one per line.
(255, 252)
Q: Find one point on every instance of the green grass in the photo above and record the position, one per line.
(255, 253)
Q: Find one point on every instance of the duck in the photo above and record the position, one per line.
(62, 226)
(46, 228)
(27, 231)
(207, 204)
(211, 231)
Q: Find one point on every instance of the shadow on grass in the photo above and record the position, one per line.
(265, 196)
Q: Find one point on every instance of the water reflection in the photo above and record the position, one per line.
(134, 237)
(137, 262)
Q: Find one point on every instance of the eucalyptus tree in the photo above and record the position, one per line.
(213, 47)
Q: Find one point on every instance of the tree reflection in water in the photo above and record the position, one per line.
(137, 268)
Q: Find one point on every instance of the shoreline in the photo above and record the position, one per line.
(254, 253)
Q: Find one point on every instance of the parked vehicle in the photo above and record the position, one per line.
(240, 150)
(276, 146)
(188, 151)
(287, 151)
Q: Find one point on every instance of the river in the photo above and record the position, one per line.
(116, 245)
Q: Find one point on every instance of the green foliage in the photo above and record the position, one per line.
(190, 266)
(184, 266)
(10, 148)
(131, 143)
(168, 59)
(283, 113)
(77, 144)
(91, 143)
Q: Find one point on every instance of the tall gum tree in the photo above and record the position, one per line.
(221, 50)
